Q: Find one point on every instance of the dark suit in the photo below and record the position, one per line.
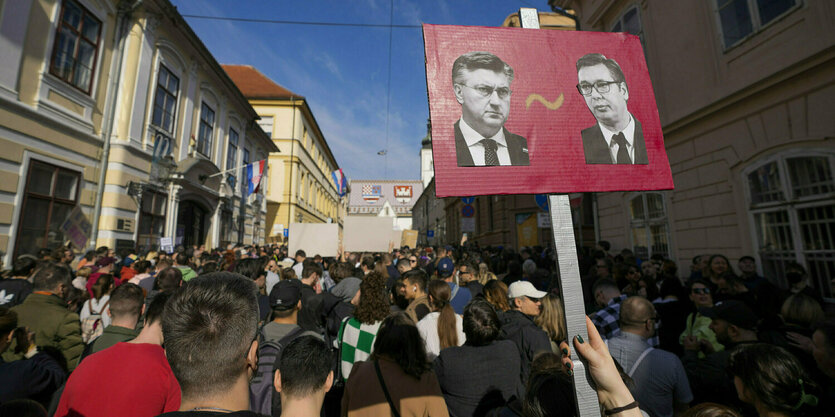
(597, 152)
(517, 147)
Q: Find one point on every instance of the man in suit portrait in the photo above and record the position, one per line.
(617, 137)
(481, 82)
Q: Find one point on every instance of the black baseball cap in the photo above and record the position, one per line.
(734, 312)
(285, 294)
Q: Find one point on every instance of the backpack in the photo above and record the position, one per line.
(262, 396)
(92, 326)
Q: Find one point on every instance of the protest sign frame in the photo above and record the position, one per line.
(314, 238)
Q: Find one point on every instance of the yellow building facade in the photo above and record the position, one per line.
(301, 188)
(124, 115)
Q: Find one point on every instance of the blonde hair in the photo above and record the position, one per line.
(484, 274)
(495, 292)
(84, 272)
(552, 318)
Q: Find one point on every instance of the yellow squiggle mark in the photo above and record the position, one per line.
(548, 105)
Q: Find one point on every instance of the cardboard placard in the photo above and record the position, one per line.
(546, 136)
(314, 238)
(367, 234)
(409, 238)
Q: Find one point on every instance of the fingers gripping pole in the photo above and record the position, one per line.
(572, 298)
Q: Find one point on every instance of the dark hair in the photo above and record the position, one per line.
(747, 257)
(439, 294)
(603, 243)
(301, 253)
(550, 391)
(8, 320)
(772, 375)
(481, 323)
(305, 365)
(710, 410)
(367, 262)
(710, 261)
(102, 251)
(90, 255)
(590, 60)
(417, 277)
(141, 267)
(671, 286)
(374, 304)
(311, 268)
(22, 407)
(50, 276)
(208, 326)
(250, 268)
(604, 283)
(169, 279)
(477, 60)
(155, 310)
(103, 285)
(399, 340)
(651, 287)
(126, 301)
(208, 267)
(23, 266)
(181, 259)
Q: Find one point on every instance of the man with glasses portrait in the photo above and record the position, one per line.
(481, 82)
(617, 137)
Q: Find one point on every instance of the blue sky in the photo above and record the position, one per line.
(343, 71)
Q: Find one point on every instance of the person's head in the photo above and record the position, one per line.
(445, 269)
(367, 264)
(647, 288)
(648, 269)
(550, 391)
(601, 82)
(415, 281)
(300, 256)
(495, 292)
(732, 322)
(439, 294)
(181, 259)
(162, 263)
(771, 378)
(304, 371)
(528, 268)
(552, 318)
(710, 410)
(718, 265)
(603, 267)
(481, 324)
(633, 273)
(638, 316)
(288, 273)
(823, 347)
(524, 297)
(399, 340)
(22, 407)
(467, 271)
(154, 312)
(102, 286)
(210, 327)
(795, 273)
(272, 265)
(169, 279)
(406, 264)
(126, 303)
(373, 303)
(141, 267)
(285, 299)
(311, 273)
(481, 82)
(23, 267)
(106, 264)
(605, 290)
(700, 294)
(802, 310)
(747, 265)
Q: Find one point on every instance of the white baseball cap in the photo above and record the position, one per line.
(524, 288)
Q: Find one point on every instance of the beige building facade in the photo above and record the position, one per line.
(124, 114)
(746, 94)
(301, 187)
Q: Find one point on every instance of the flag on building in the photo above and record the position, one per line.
(340, 181)
(254, 171)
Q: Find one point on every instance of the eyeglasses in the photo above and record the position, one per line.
(701, 290)
(601, 87)
(487, 91)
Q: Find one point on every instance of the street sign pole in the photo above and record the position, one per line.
(570, 286)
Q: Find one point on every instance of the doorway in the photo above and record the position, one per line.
(192, 222)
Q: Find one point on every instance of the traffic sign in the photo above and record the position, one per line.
(430, 233)
(286, 232)
(468, 200)
(467, 211)
(542, 201)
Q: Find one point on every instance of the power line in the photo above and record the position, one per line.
(298, 22)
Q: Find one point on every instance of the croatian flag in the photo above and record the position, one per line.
(254, 171)
(340, 182)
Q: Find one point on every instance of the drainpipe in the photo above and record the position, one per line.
(123, 20)
(292, 147)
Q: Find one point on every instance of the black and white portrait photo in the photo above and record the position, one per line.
(481, 82)
(617, 137)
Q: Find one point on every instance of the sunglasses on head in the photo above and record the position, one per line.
(701, 290)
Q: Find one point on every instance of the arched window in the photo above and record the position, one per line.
(791, 202)
(649, 227)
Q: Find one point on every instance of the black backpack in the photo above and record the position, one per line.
(262, 396)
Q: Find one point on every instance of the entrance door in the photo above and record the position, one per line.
(191, 223)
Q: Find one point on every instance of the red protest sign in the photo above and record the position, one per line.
(517, 111)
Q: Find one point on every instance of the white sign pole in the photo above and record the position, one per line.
(570, 286)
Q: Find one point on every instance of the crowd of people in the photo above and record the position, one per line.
(460, 331)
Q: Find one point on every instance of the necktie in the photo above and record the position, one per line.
(623, 153)
(490, 156)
